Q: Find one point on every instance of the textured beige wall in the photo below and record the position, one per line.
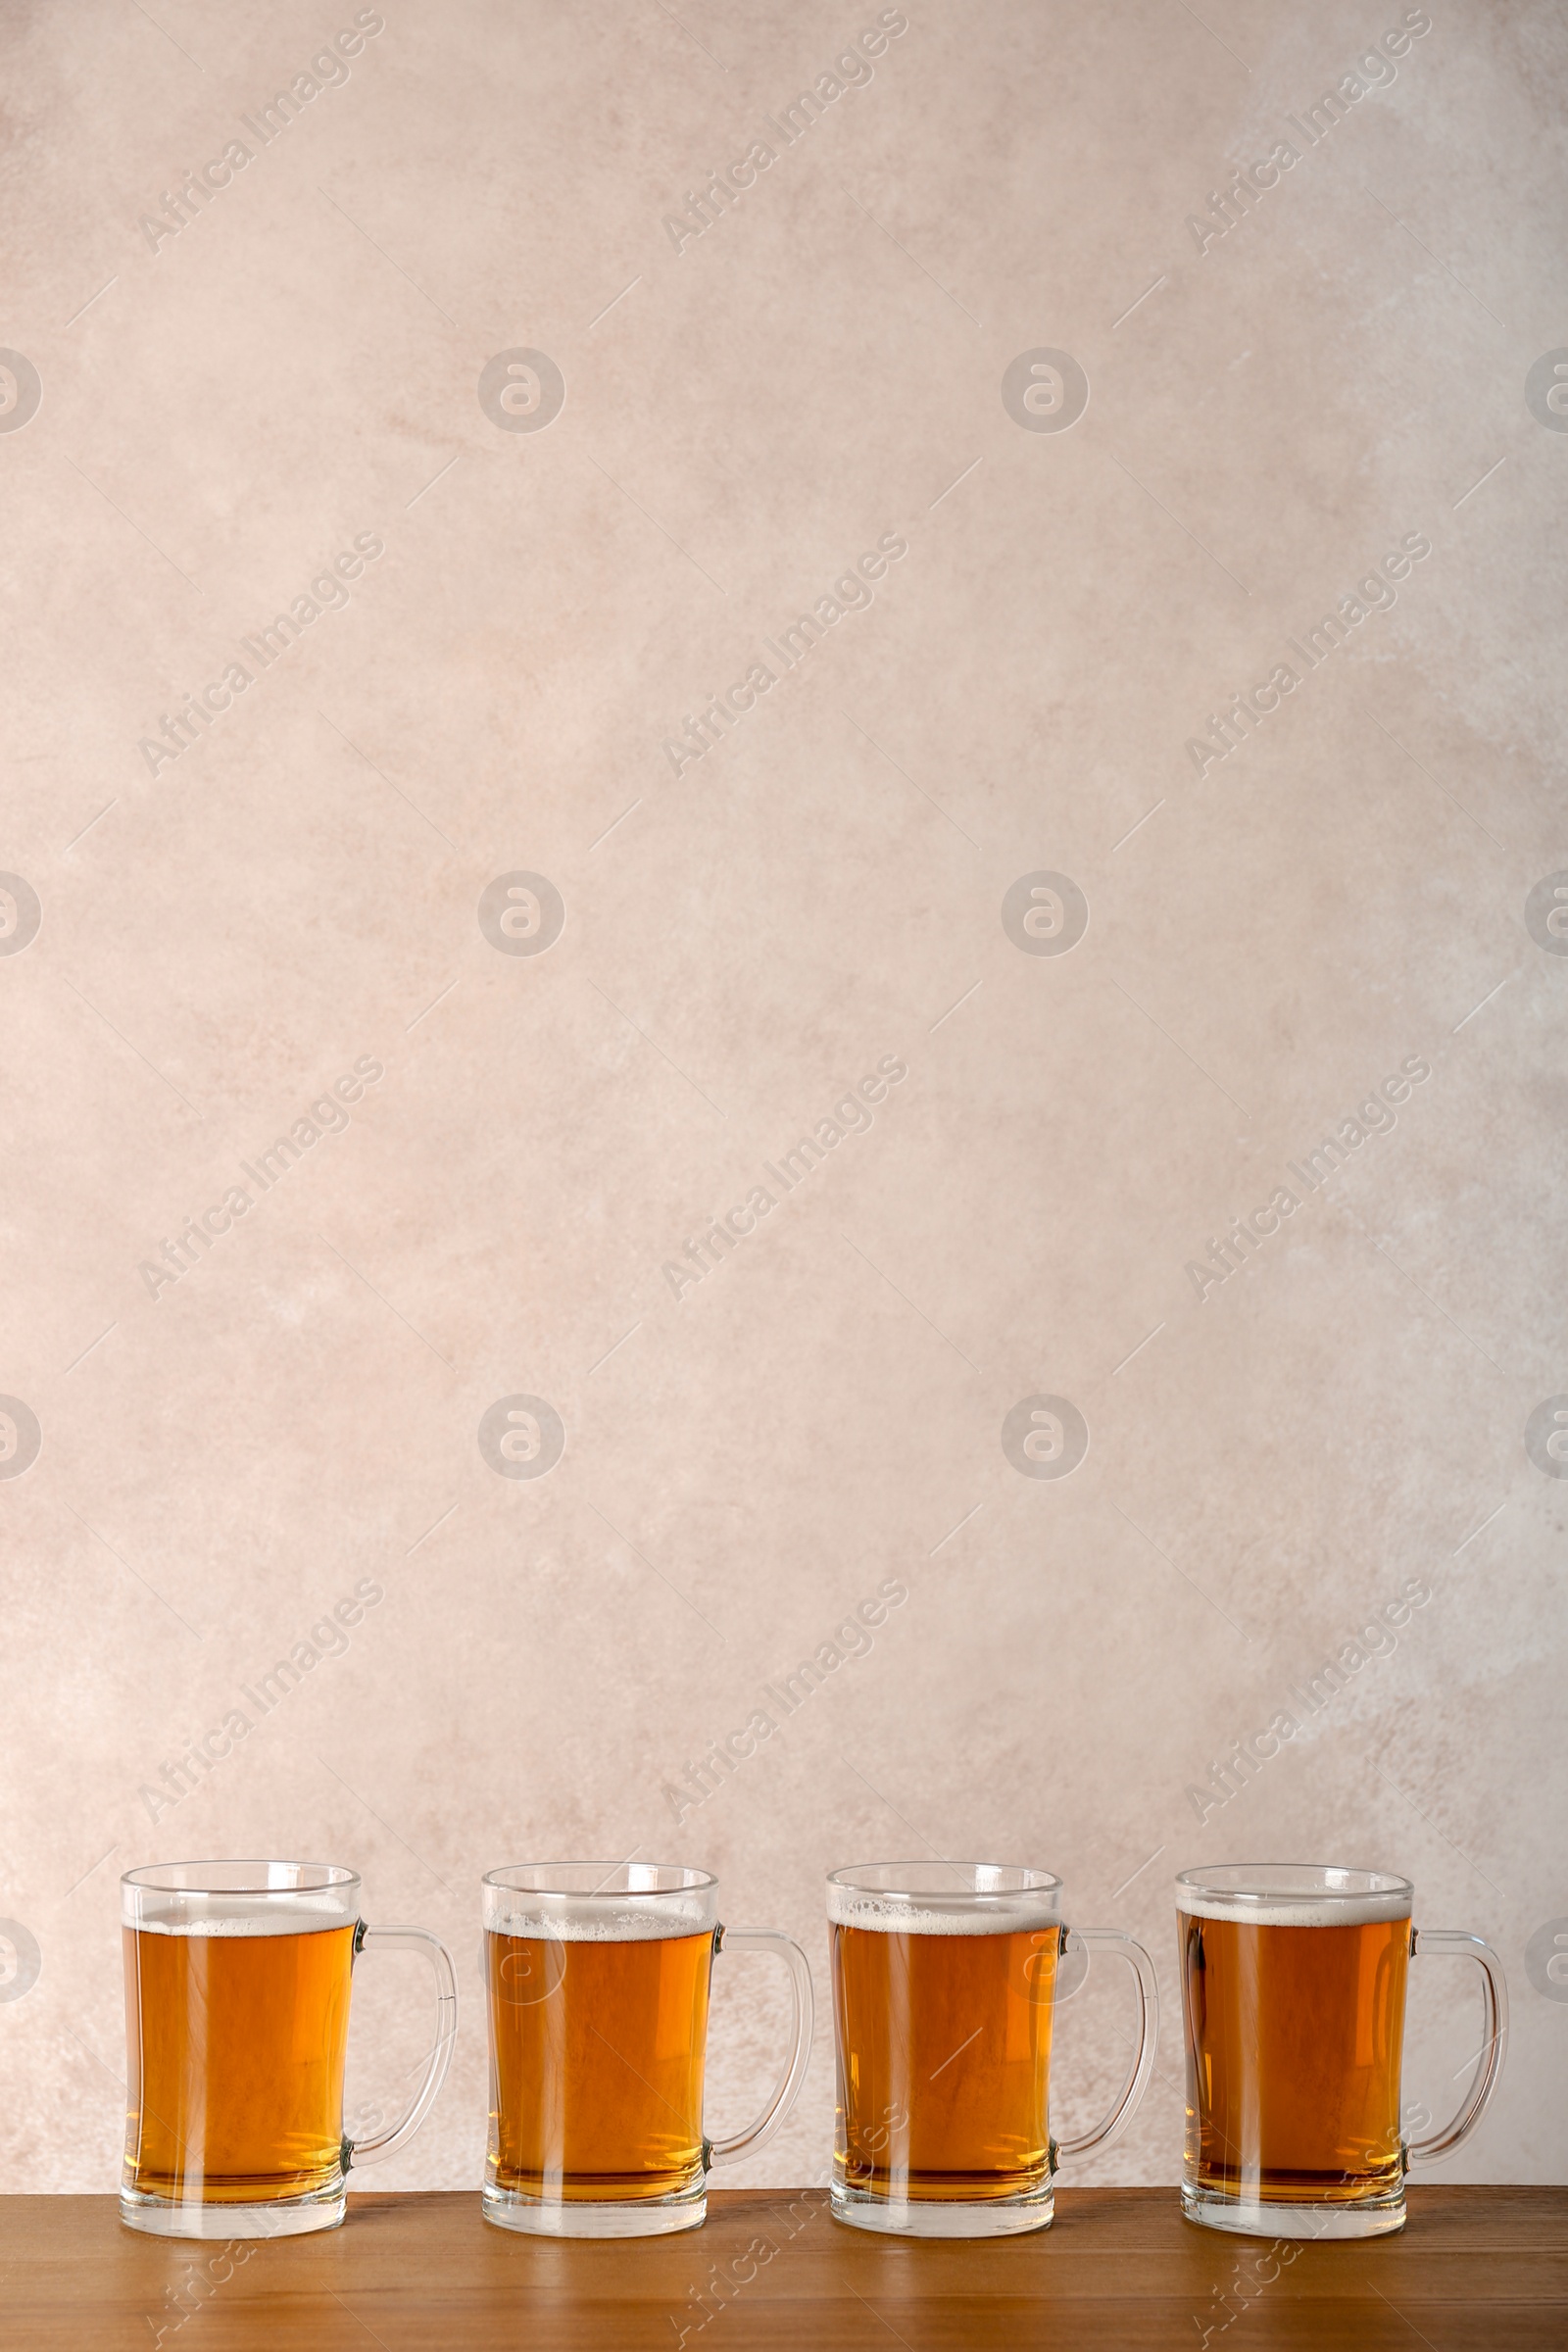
(228, 405)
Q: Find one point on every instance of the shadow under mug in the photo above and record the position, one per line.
(1292, 1995)
(596, 1977)
(237, 1978)
(945, 1986)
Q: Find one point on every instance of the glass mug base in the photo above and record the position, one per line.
(657, 2217)
(911, 2216)
(281, 2217)
(1250, 2217)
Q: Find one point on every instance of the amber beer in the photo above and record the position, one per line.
(597, 2051)
(945, 2044)
(1293, 1993)
(597, 1980)
(237, 1979)
(236, 2041)
(945, 1981)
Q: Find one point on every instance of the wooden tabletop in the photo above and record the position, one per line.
(1476, 2269)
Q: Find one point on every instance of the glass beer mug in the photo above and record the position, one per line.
(236, 2027)
(1292, 1995)
(943, 1991)
(597, 1975)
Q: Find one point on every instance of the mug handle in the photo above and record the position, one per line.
(772, 1939)
(1137, 2083)
(396, 2136)
(1456, 1943)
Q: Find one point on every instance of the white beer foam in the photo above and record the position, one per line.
(906, 1915)
(1292, 1911)
(235, 1915)
(576, 1925)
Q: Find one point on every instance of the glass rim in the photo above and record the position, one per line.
(900, 1881)
(668, 1878)
(196, 1877)
(1266, 1885)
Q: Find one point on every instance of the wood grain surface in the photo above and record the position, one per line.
(1476, 2269)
